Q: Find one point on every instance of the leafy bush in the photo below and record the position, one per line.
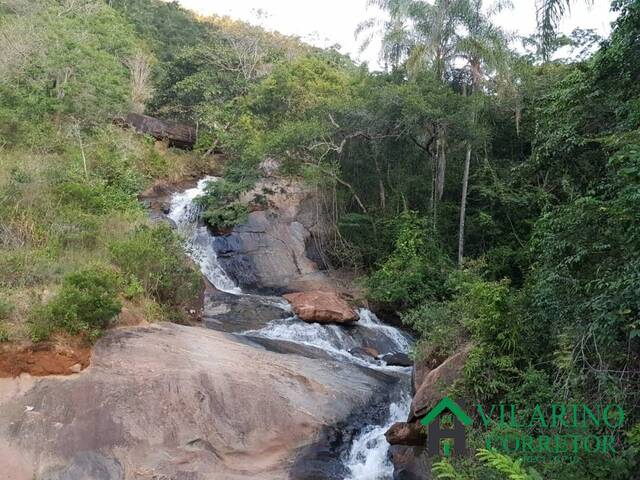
(417, 269)
(85, 304)
(96, 196)
(221, 211)
(154, 255)
(226, 217)
(4, 334)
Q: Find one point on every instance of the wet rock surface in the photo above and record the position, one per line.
(179, 402)
(268, 254)
(397, 359)
(411, 463)
(431, 383)
(238, 313)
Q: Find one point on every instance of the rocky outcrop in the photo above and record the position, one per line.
(177, 134)
(437, 381)
(169, 401)
(270, 252)
(410, 463)
(397, 360)
(408, 440)
(411, 434)
(321, 307)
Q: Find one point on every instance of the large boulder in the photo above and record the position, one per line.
(411, 434)
(321, 307)
(434, 386)
(272, 252)
(177, 134)
(169, 401)
(410, 463)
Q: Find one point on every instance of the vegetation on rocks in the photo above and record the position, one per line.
(487, 195)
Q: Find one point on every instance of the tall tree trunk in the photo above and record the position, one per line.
(463, 204)
(434, 182)
(475, 84)
(442, 166)
(383, 195)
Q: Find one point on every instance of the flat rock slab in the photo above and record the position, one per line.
(169, 401)
(238, 313)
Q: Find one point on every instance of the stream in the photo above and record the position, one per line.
(364, 454)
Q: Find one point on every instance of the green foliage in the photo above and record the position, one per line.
(415, 271)
(154, 256)
(443, 470)
(221, 209)
(5, 309)
(224, 218)
(4, 334)
(85, 304)
(510, 468)
(71, 65)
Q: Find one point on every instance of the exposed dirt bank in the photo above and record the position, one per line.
(42, 360)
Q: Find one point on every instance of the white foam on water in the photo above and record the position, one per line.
(368, 458)
(337, 340)
(368, 319)
(198, 240)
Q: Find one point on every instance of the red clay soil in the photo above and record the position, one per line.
(43, 360)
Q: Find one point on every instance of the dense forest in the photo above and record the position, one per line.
(486, 194)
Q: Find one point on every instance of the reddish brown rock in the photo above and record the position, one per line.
(435, 384)
(410, 434)
(177, 134)
(321, 307)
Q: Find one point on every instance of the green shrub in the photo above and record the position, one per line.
(226, 217)
(438, 327)
(84, 305)
(96, 197)
(4, 334)
(5, 309)
(23, 268)
(154, 255)
(417, 269)
(221, 210)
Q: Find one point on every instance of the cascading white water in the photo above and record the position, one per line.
(367, 457)
(199, 241)
(400, 341)
(338, 341)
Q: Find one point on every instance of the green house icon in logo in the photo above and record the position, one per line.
(435, 433)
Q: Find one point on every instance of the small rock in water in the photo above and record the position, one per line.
(321, 307)
(397, 360)
(406, 434)
(364, 353)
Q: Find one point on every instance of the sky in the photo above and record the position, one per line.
(329, 22)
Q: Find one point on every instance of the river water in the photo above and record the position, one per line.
(366, 457)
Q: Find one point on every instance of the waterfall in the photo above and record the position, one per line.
(367, 457)
(199, 241)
